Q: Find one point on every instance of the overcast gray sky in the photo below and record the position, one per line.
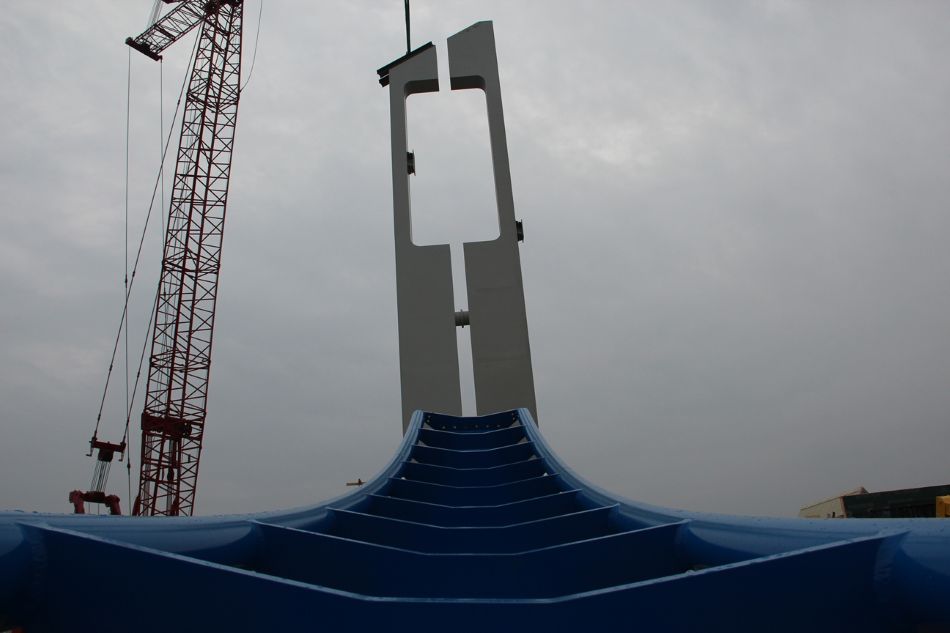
(736, 214)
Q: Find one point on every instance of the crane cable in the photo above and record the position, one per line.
(408, 45)
(161, 205)
(131, 280)
(128, 114)
(257, 35)
(160, 179)
(128, 126)
(161, 148)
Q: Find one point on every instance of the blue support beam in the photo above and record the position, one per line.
(476, 525)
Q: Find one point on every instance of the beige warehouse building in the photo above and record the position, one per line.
(831, 508)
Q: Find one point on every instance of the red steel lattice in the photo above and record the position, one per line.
(179, 365)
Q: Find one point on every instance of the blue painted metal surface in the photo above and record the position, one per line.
(475, 526)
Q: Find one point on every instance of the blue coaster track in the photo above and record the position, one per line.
(475, 525)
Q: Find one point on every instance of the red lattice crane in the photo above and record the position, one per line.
(180, 361)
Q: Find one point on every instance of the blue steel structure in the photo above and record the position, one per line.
(475, 525)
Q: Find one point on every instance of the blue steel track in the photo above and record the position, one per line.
(475, 525)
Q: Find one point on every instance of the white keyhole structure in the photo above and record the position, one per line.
(428, 352)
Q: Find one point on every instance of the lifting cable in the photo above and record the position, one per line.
(125, 306)
(161, 148)
(161, 205)
(159, 180)
(247, 80)
(408, 45)
(125, 271)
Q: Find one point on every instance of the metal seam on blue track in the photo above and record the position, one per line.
(587, 512)
(510, 483)
(571, 491)
(533, 458)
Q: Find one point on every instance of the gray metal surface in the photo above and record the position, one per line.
(501, 354)
(428, 352)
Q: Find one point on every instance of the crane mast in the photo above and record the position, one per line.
(173, 419)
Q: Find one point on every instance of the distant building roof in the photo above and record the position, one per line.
(905, 503)
(860, 490)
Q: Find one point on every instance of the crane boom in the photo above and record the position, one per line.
(170, 28)
(180, 360)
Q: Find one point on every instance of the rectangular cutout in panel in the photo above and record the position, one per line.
(453, 189)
